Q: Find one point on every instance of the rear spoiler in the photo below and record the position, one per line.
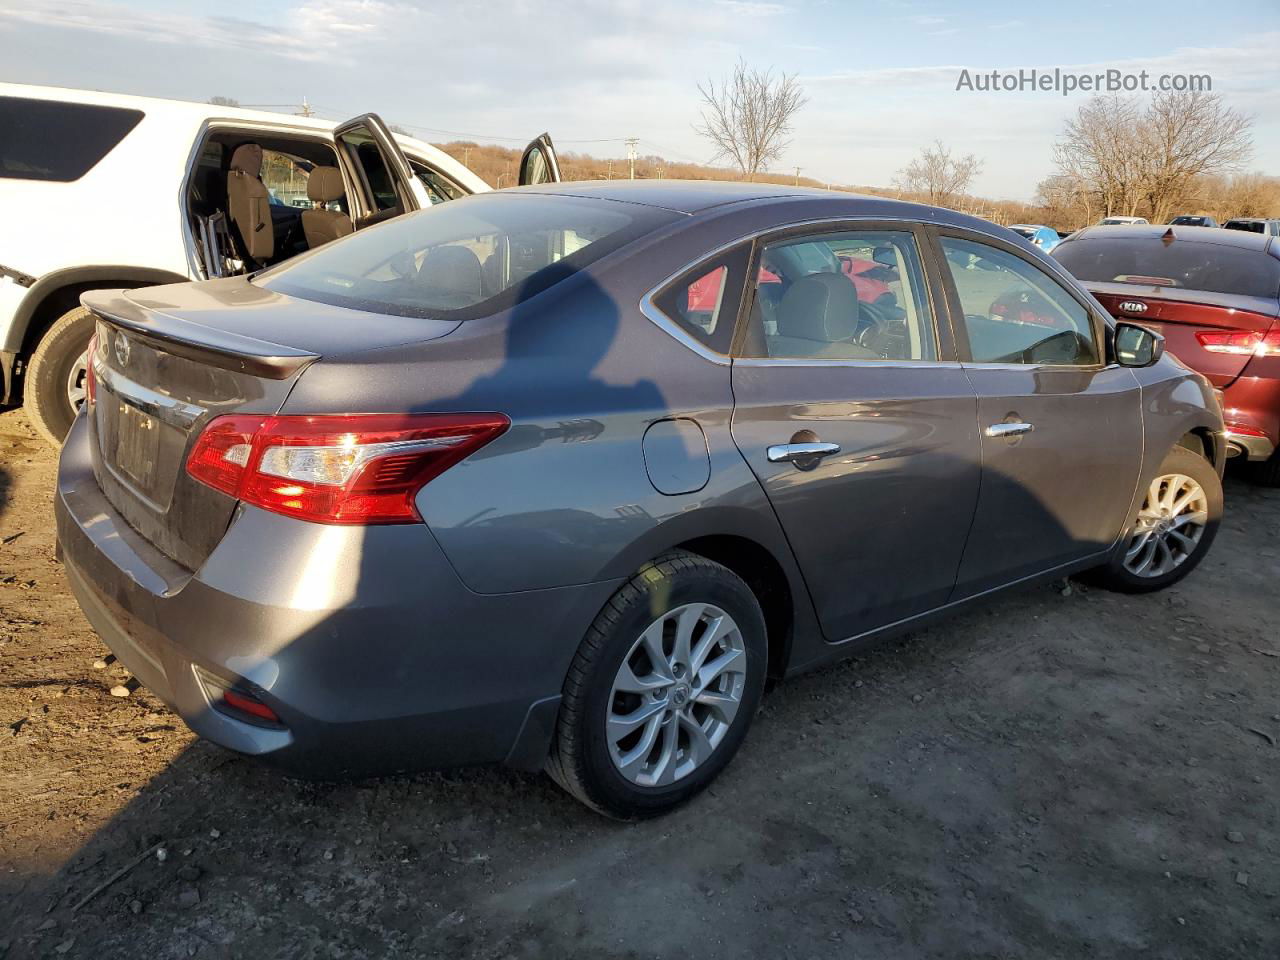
(194, 341)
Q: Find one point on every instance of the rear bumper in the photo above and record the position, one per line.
(362, 640)
(1251, 409)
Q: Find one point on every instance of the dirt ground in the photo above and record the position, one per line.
(1065, 773)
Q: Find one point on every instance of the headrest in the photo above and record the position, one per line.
(821, 306)
(325, 184)
(452, 269)
(247, 158)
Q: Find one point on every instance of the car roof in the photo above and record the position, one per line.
(694, 196)
(1156, 231)
(1028, 226)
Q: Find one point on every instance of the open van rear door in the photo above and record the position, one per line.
(385, 186)
(539, 163)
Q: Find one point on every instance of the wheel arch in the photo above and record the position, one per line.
(59, 291)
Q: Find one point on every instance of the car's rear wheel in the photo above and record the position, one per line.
(55, 388)
(1266, 472)
(1173, 529)
(662, 689)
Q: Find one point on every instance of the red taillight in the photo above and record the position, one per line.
(1244, 430)
(1241, 342)
(352, 468)
(247, 704)
(91, 379)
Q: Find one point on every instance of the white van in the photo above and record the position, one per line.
(103, 191)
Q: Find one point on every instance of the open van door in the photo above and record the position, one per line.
(385, 186)
(539, 163)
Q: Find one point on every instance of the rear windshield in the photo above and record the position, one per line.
(1251, 226)
(52, 140)
(465, 259)
(1213, 267)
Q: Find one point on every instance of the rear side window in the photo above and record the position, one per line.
(705, 302)
(465, 259)
(57, 141)
(1187, 264)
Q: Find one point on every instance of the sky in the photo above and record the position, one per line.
(880, 75)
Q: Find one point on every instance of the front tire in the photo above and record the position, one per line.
(55, 377)
(662, 690)
(1173, 529)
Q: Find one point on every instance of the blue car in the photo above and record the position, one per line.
(1046, 238)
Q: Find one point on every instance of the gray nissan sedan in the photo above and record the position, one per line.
(558, 477)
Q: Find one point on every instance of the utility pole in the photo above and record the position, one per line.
(797, 176)
(466, 156)
(631, 154)
(306, 110)
(610, 174)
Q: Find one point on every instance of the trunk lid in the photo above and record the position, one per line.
(170, 359)
(1180, 314)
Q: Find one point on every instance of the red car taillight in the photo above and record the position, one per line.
(1241, 342)
(350, 468)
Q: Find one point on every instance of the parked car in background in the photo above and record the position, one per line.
(100, 190)
(1270, 228)
(1120, 221)
(1215, 296)
(1189, 220)
(1046, 238)
(473, 486)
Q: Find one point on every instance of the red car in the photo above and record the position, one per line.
(1215, 296)
(704, 293)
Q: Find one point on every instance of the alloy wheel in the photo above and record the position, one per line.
(676, 694)
(76, 382)
(1169, 527)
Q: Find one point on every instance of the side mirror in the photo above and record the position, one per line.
(1137, 346)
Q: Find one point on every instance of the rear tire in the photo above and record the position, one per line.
(1266, 473)
(56, 371)
(1172, 530)
(692, 716)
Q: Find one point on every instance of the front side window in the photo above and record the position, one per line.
(439, 189)
(53, 140)
(465, 259)
(1015, 312)
(852, 295)
(362, 147)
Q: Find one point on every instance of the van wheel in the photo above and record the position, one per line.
(1173, 529)
(55, 386)
(662, 690)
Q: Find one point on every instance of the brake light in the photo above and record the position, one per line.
(351, 468)
(1240, 342)
(90, 378)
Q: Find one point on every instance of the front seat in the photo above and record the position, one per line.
(320, 225)
(818, 317)
(250, 204)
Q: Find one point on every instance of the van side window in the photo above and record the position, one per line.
(53, 140)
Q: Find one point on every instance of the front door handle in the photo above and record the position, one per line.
(801, 452)
(998, 430)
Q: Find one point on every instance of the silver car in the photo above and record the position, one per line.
(557, 477)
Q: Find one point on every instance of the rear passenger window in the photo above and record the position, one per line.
(854, 295)
(1015, 312)
(704, 303)
(53, 140)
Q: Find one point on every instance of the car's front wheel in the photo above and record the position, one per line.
(55, 388)
(1173, 529)
(662, 689)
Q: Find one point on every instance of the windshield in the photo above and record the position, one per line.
(465, 259)
(1213, 267)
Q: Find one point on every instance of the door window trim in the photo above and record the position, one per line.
(960, 332)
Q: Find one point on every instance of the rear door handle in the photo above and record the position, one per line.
(1009, 429)
(800, 452)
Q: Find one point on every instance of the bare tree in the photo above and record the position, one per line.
(747, 117)
(224, 101)
(1127, 155)
(1185, 135)
(939, 176)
